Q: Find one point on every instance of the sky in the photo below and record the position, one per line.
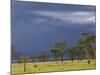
(36, 27)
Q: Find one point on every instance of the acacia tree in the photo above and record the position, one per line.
(55, 53)
(15, 54)
(60, 48)
(24, 60)
(93, 46)
(87, 41)
(85, 48)
(80, 53)
(72, 53)
(43, 57)
(20, 60)
(33, 58)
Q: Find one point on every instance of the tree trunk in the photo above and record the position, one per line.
(89, 61)
(56, 60)
(33, 62)
(79, 59)
(24, 67)
(62, 59)
(19, 62)
(72, 59)
(44, 59)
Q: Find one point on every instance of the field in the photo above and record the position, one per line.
(52, 66)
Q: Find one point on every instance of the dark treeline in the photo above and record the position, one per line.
(84, 49)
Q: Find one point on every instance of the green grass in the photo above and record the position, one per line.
(53, 66)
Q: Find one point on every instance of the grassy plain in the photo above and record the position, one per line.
(38, 67)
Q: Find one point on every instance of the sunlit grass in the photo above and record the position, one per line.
(53, 66)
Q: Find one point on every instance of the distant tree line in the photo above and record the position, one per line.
(85, 48)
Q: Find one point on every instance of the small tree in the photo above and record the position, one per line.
(33, 58)
(43, 57)
(24, 60)
(60, 47)
(72, 53)
(55, 53)
(87, 41)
